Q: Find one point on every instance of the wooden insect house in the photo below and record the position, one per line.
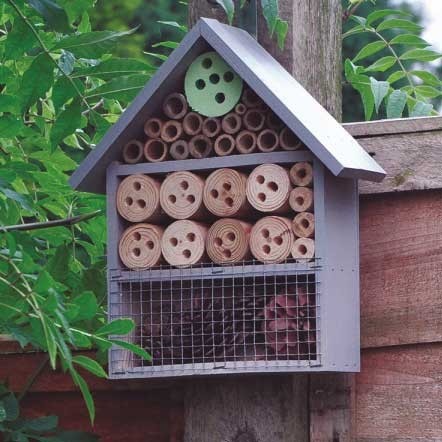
(232, 209)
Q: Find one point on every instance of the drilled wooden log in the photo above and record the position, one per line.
(138, 199)
(156, 150)
(254, 120)
(301, 174)
(246, 141)
(175, 106)
(271, 239)
(231, 123)
(152, 127)
(181, 196)
(200, 146)
(140, 246)
(304, 225)
(288, 140)
(192, 123)
(179, 150)
(268, 188)
(303, 249)
(183, 243)
(172, 130)
(133, 152)
(225, 193)
(301, 199)
(267, 140)
(211, 127)
(224, 145)
(228, 241)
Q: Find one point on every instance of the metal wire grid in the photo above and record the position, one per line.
(261, 320)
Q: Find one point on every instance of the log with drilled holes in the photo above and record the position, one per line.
(268, 188)
(288, 140)
(181, 196)
(224, 145)
(152, 127)
(156, 150)
(304, 225)
(271, 239)
(138, 199)
(303, 248)
(140, 246)
(228, 241)
(175, 106)
(301, 174)
(200, 146)
(225, 193)
(183, 243)
(133, 152)
(301, 199)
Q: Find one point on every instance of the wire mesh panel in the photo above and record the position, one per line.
(254, 321)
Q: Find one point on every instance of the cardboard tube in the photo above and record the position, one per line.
(155, 150)
(200, 146)
(211, 127)
(179, 150)
(140, 246)
(268, 188)
(192, 123)
(288, 140)
(231, 123)
(183, 243)
(228, 241)
(181, 196)
(225, 193)
(246, 141)
(304, 225)
(250, 99)
(267, 141)
(273, 121)
(138, 198)
(303, 249)
(171, 131)
(271, 239)
(241, 109)
(175, 106)
(301, 199)
(152, 127)
(224, 145)
(301, 174)
(254, 120)
(133, 152)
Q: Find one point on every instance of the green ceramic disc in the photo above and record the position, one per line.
(212, 87)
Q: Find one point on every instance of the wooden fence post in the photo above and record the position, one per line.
(272, 408)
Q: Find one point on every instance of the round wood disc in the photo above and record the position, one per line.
(268, 188)
(183, 243)
(301, 174)
(301, 199)
(304, 225)
(225, 193)
(140, 246)
(303, 248)
(181, 195)
(271, 239)
(228, 241)
(138, 198)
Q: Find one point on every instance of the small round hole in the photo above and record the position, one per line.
(301, 173)
(277, 240)
(137, 236)
(129, 201)
(141, 203)
(137, 251)
(260, 179)
(207, 63)
(137, 185)
(273, 186)
(299, 200)
(302, 249)
(187, 253)
(231, 236)
(218, 242)
(173, 242)
(200, 84)
(228, 76)
(305, 223)
(262, 197)
(229, 202)
(227, 186)
(190, 237)
(184, 185)
(172, 199)
(214, 193)
(190, 198)
(150, 245)
(227, 253)
(220, 98)
(265, 233)
(180, 150)
(214, 78)
(266, 249)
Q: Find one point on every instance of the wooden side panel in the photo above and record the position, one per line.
(401, 262)
(398, 395)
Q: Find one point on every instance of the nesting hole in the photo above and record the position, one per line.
(172, 199)
(193, 123)
(218, 242)
(305, 223)
(254, 119)
(137, 251)
(211, 126)
(129, 201)
(246, 141)
(184, 185)
(190, 199)
(174, 105)
(171, 131)
(207, 63)
(154, 127)
(260, 179)
(227, 187)
(200, 145)
(302, 249)
(214, 78)
(220, 98)
(231, 236)
(262, 197)
(214, 193)
(190, 237)
(227, 253)
(141, 204)
(229, 202)
(137, 185)
(200, 84)
(265, 233)
(273, 186)
(133, 151)
(155, 149)
(150, 245)
(301, 173)
(266, 249)
(187, 253)
(180, 150)
(277, 240)
(137, 236)
(268, 140)
(225, 144)
(228, 76)
(289, 138)
(299, 200)
(173, 242)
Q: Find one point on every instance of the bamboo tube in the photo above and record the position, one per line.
(273, 121)
(140, 246)
(246, 141)
(183, 243)
(231, 123)
(268, 188)
(155, 150)
(211, 127)
(152, 127)
(133, 152)
(267, 141)
(304, 225)
(138, 199)
(225, 193)
(192, 123)
(200, 146)
(303, 248)
(301, 174)
(271, 239)
(254, 120)
(228, 241)
(171, 131)
(250, 99)
(224, 145)
(179, 150)
(175, 106)
(288, 140)
(241, 109)
(301, 199)
(181, 196)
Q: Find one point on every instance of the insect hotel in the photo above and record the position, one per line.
(232, 209)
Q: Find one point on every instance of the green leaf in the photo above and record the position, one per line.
(396, 104)
(67, 122)
(370, 49)
(427, 78)
(377, 15)
(380, 90)
(66, 62)
(421, 55)
(281, 30)
(55, 16)
(116, 327)
(41, 424)
(428, 91)
(397, 23)
(358, 29)
(229, 8)
(166, 44)
(63, 90)
(270, 12)
(9, 103)
(421, 109)
(87, 306)
(91, 44)
(382, 65)
(133, 348)
(408, 40)
(77, 8)
(122, 88)
(396, 76)
(81, 383)
(174, 24)
(90, 365)
(19, 40)
(10, 126)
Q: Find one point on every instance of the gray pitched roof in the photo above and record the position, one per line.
(319, 131)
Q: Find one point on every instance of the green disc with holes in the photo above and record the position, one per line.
(212, 87)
